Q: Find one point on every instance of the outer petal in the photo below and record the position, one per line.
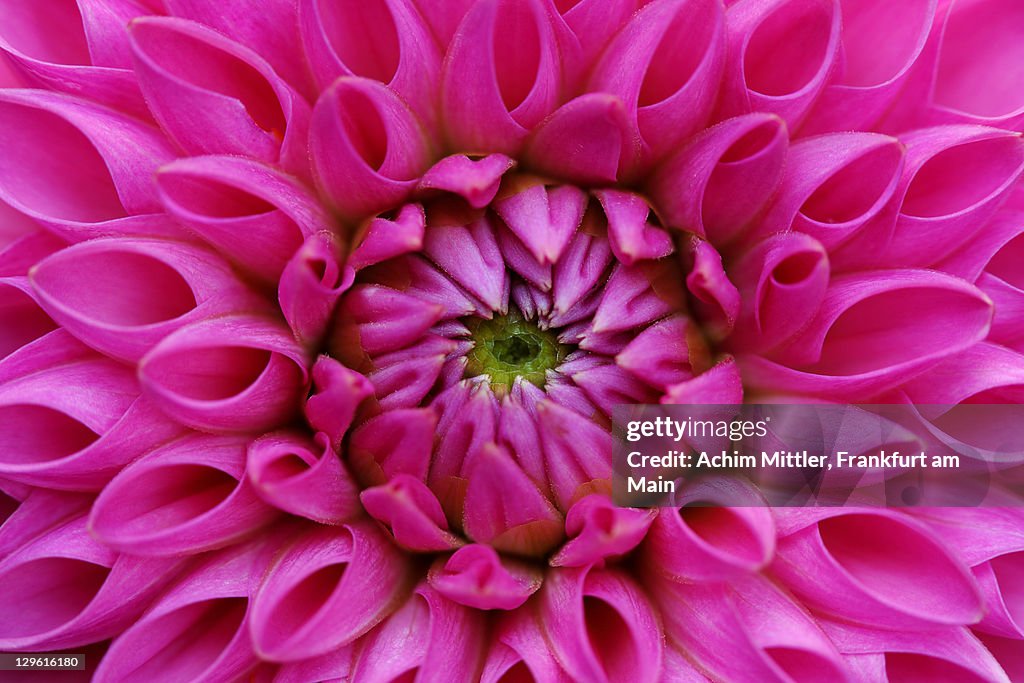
(498, 84)
(325, 590)
(185, 497)
(214, 96)
(601, 626)
(338, 393)
(368, 148)
(519, 647)
(123, 295)
(111, 156)
(238, 373)
(600, 530)
(311, 285)
(22, 320)
(476, 576)
(412, 512)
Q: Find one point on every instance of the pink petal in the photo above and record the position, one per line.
(665, 65)
(23, 242)
(311, 285)
(66, 590)
(715, 298)
(518, 648)
(583, 265)
(385, 239)
(21, 318)
(476, 576)
(637, 295)
(498, 85)
(385, 319)
(122, 296)
(593, 23)
(385, 40)
(475, 180)
(470, 256)
(920, 582)
(202, 374)
(577, 452)
(694, 190)
(396, 442)
(413, 514)
(882, 41)
(504, 509)
(303, 477)
(601, 626)
(215, 96)
(250, 212)
(325, 590)
(368, 148)
(600, 530)
(780, 55)
(664, 354)
(338, 393)
(631, 236)
(111, 156)
(39, 511)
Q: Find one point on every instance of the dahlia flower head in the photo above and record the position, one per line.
(313, 314)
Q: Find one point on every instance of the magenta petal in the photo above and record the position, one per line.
(397, 442)
(204, 373)
(22, 320)
(780, 55)
(215, 96)
(834, 184)
(475, 180)
(385, 40)
(448, 649)
(504, 509)
(334, 666)
(184, 497)
(715, 297)
(101, 592)
(782, 283)
(665, 65)
(385, 238)
(325, 590)
(710, 543)
(664, 354)
(39, 511)
(587, 140)
(601, 626)
(636, 295)
(921, 583)
(544, 218)
(695, 189)
(476, 576)
(518, 648)
(984, 373)
(311, 286)
(631, 236)
(413, 514)
(112, 156)
(599, 530)
(593, 23)
(881, 42)
(210, 606)
(471, 258)
(333, 405)
(748, 631)
(75, 48)
(248, 211)
(498, 84)
(23, 242)
(386, 319)
(719, 385)
(577, 452)
(841, 351)
(303, 477)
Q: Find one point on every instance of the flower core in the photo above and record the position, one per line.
(508, 347)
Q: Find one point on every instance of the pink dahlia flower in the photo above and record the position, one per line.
(313, 315)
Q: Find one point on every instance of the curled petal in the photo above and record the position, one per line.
(631, 236)
(518, 649)
(338, 393)
(715, 297)
(870, 78)
(302, 477)
(470, 256)
(710, 543)
(368, 148)
(782, 283)
(953, 654)
(272, 31)
(75, 47)
(237, 373)
(22, 320)
(599, 530)
(577, 274)
(185, 497)
(984, 373)
(123, 295)
(601, 626)
(475, 180)
(637, 295)
(695, 190)
(311, 286)
(748, 631)
(609, 385)
(504, 509)
(112, 157)
(780, 56)
(501, 77)
(23, 242)
(336, 665)
(39, 511)
(215, 96)
(593, 23)
(954, 180)
(209, 606)
(102, 592)
(253, 214)
(665, 66)
(476, 576)
(852, 347)
(577, 452)
(385, 238)
(325, 590)
(588, 140)
(449, 648)
(921, 583)
(384, 40)
(413, 514)
(834, 184)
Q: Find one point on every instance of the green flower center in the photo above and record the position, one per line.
(507, 347)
